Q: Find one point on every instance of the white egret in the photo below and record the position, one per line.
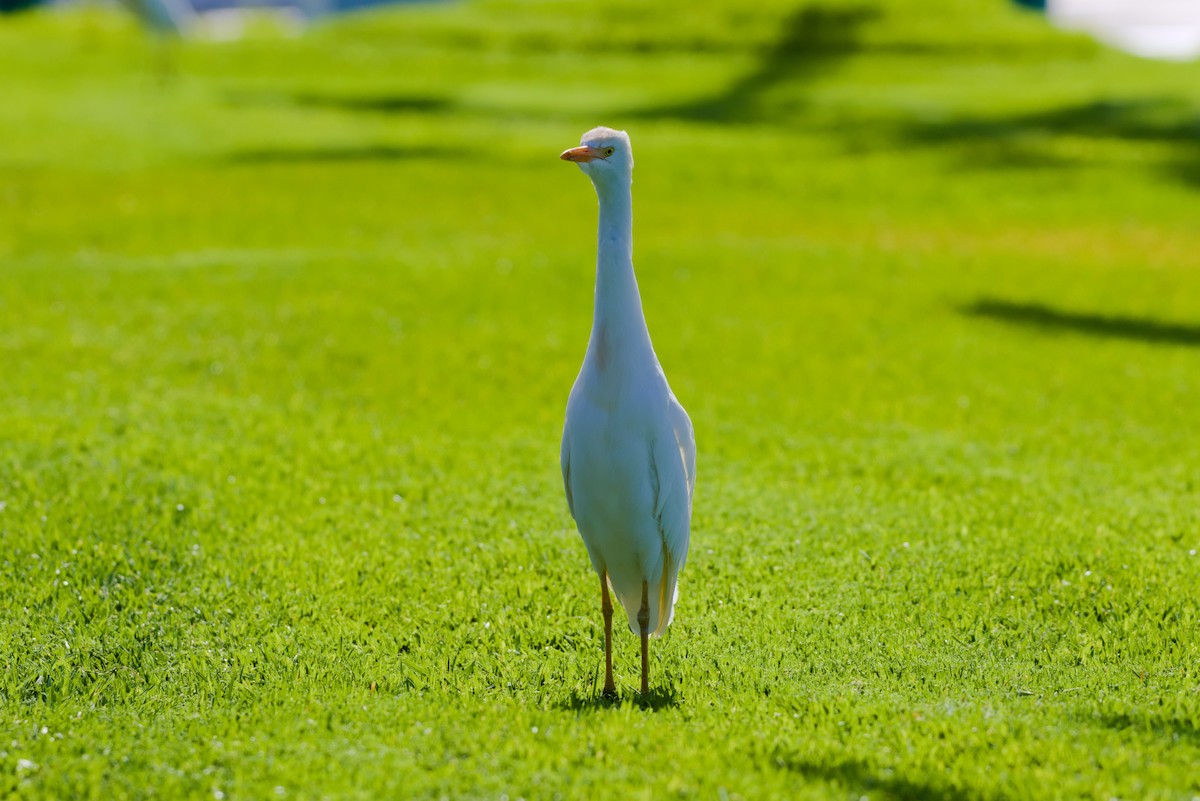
(628, 452)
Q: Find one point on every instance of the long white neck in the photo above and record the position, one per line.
(618, 324)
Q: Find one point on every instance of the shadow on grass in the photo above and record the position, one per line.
(1145, 119)
(657, 699)
(1050, 138)
(366, 153)
(815, 38)
(1172, 728)
(1186, 168)
(374, 104)
(1047, 317)
(862, 778)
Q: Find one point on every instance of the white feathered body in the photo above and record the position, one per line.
(629, 471)
(628, 451)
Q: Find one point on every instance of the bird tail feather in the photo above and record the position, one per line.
(668, 592)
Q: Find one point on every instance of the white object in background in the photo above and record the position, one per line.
(628, 453)
(1164, 29)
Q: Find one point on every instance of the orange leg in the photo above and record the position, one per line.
(644, 622)
(610, 689)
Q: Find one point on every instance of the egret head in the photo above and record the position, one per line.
(604, 155)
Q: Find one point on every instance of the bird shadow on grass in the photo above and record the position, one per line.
(1036, 315)
(815, 39)
(658, 699)
(860, 777)
(339, 154)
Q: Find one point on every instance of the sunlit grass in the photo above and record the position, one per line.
(288, 330)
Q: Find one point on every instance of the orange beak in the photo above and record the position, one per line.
(581, 154)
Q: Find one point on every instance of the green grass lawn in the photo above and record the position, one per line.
(287, 327)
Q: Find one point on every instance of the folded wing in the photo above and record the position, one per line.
(674, 471)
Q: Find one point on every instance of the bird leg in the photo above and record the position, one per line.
(644, 621)
(610, 689)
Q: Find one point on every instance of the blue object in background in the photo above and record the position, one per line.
(176, 15)
(162, 15)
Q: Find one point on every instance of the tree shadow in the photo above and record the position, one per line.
(1160, 119)
(332, 155)
(815, 39)
(1047, 317)
(1035, 139)
(1185, 169)
(1172, 727)
(659, 698)
(859, 777)
(373, 104)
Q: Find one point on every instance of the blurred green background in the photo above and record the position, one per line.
(288, 326)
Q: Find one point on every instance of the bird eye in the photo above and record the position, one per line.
(608, 151)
